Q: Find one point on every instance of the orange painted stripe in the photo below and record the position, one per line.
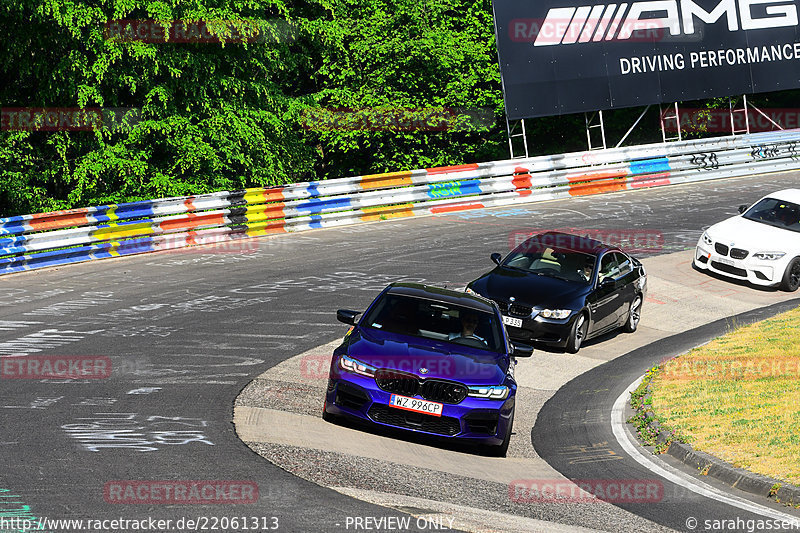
(456, 168)
(522, 182)
(453, 208)
(193, 221)
(596, 187)
(274, 195)
(391, 179)
(381, 213)
(255, 230)
(592, 176)
(189, 204)
(59, 219)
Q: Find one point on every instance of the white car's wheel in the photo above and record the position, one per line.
(791, 278)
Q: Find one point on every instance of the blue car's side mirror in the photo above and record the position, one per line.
(496, 258)
(347, 316)
(521, 350)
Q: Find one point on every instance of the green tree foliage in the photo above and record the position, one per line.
(213, 116)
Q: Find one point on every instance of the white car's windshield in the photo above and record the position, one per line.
(778, 213)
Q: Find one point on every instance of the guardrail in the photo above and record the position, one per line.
(47, 239)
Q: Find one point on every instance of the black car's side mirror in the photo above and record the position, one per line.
(743, 208)
(521, 350)
(607, 282)
(496, 258)
(347, 316)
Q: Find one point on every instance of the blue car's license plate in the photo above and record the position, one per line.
(416, 405)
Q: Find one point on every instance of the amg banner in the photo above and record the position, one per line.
(568, 56)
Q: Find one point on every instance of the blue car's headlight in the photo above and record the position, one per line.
(356, 367)
(496, 392)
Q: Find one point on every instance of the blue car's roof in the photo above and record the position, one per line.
(450, 296)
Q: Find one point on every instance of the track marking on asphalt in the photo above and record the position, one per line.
(673, 474)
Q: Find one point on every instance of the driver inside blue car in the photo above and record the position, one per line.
(469, 322)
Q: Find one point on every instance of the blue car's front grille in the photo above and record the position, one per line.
(397, 382)
(443, 391)
(434, 390)
(440, 425)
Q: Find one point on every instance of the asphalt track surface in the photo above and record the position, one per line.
(580, 413)
(187, 330)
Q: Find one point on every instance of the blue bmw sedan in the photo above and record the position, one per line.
(431, 361)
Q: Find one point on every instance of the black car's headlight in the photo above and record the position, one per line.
(555, 313)
(356, 367)
(494, 392)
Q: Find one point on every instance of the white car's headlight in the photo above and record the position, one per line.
(555, 313)
(707, 239)
(357, 367)
(496, 392)
(470, 291)
(769, 256)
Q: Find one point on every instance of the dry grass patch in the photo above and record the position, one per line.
(738, 397)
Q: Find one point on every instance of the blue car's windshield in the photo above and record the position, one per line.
(553, 262)
(778, 213)
(432, 319)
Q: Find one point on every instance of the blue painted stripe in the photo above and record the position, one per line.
(316, 222)
(319, 206)
(650, 166)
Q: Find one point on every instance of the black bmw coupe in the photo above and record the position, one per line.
(560, 289)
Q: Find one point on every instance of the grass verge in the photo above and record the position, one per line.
(738, 397)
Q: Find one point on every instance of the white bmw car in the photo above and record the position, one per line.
(761, 245)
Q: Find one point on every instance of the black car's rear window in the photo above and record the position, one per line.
(432, 319)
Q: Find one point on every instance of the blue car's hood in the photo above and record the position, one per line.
(442, 360)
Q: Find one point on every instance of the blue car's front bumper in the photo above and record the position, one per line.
(475, 420)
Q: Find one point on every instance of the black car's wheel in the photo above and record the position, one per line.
(502, 449)
(577, 334)
(634, 315)
(791, 278)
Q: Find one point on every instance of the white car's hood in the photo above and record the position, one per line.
(754, 236)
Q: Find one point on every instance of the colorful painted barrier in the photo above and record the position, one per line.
(48, 239)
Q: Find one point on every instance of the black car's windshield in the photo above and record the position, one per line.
(776, 213)
(553, 262)
(441, 321)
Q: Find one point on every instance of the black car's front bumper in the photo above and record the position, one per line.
(549, 331)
